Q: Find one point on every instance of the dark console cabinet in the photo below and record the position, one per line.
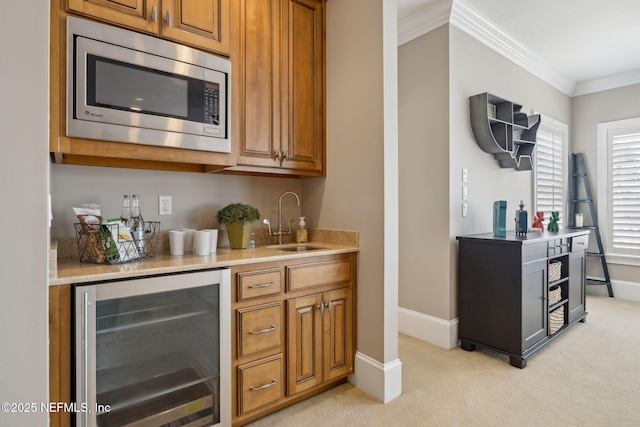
(516, 293)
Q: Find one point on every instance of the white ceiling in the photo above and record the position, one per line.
(584, 45)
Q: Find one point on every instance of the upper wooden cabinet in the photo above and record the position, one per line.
(200, 23)
(142, 15)
(280, 87)
(138, 15)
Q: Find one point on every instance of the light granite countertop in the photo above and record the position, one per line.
(69, 270)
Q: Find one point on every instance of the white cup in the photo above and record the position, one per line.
(214, 239)
(188, 239)
(201, 242)
(176, 241)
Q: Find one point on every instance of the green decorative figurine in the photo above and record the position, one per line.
(553, 221)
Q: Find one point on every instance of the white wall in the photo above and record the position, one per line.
(359, 192)
(196, 197)
(24, 113)
(431, 153)
(424, 155)
(586, 112)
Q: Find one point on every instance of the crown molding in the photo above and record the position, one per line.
(477, 26)
(434, 15)
(606, 83)
(460, 14)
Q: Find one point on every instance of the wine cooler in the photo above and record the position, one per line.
(153, 351)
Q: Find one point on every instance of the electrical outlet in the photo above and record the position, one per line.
(164, 205)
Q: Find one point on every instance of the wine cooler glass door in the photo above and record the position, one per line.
(152, 358)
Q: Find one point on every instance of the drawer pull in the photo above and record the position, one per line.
(264, 285)
(262, 331)
(262, 387)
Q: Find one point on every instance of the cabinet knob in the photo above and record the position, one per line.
(154, 14)
(167, 19)
(321, 308)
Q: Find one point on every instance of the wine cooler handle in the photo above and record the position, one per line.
(84, 321)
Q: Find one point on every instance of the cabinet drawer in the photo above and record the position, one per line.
(259, 384)
(259, 328)
(259, 283)
(318, 274)
(534, 252)
(579, 243)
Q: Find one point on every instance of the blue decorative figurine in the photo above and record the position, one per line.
(522, 222)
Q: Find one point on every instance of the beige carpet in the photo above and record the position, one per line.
(589, 376)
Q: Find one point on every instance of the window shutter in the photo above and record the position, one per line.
(625, 193)
(550, 171)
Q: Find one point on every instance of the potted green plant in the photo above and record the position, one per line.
(237, 218)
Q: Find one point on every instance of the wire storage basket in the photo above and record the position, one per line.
(105, 243)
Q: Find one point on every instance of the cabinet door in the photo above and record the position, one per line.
(199, 23)
(338, 340)
(534, 302)
(304, 343)
(303, 84)
(576, 283)
(258, 82)
(142, 15)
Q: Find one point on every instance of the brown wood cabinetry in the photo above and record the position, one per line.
(277, 50)
(134, 14)
(199, 23)
(59, 351)
(271, 372)
(280, 87)
(319, 347)
(142, 15)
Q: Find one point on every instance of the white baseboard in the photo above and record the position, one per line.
(440, 332)
(621, 289)
(382, 382)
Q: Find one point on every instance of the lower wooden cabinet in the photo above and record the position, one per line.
(260, 383)
(293, 333)
(318, 344)
(294, 338)
(59, 352)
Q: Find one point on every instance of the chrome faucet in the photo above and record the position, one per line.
(280, 231)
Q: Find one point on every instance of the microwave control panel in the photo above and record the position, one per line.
(211, 103)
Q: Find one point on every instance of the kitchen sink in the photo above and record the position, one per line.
(296, 248)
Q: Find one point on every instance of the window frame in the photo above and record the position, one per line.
(605, 129)
(563, 128)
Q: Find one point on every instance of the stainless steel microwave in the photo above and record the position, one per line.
(129, 87)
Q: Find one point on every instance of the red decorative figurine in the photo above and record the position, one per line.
(537, 221)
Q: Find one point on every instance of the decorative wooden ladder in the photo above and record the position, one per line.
(579, 174)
